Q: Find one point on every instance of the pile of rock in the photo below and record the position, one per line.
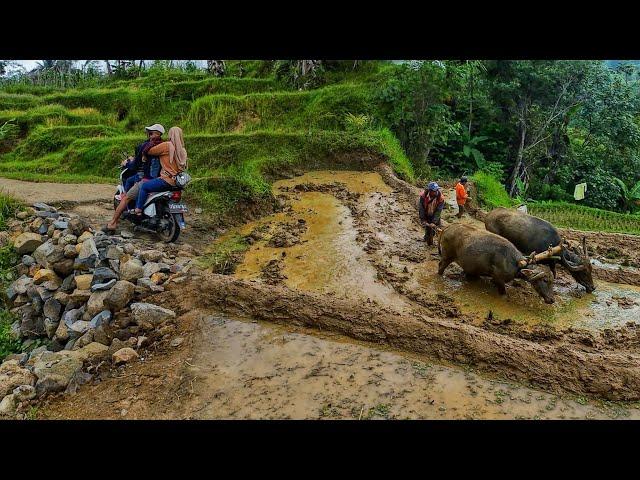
(79, 295)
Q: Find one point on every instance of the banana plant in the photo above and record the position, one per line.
(470, 148)
(630, 196)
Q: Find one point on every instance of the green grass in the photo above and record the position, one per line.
(241, 133)
(579, 217)
(8, 258)
(324, 108)
(490, 192)
(224, 254)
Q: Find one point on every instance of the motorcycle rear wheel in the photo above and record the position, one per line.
(170, 234)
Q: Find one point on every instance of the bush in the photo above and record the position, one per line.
(491, 193)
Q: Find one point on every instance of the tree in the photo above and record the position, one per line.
(630, 196)
(216, 67)
(413, 101)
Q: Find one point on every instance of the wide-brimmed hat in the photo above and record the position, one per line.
(156, 127)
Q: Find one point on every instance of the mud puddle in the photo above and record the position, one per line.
(324, 256)
(609, 306)
(259, 370)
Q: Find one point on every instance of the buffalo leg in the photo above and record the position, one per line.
(444, 263)
(500, 285)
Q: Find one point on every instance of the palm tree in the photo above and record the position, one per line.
(630, 196)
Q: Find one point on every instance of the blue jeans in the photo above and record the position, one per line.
(155, 185)
(131, 181)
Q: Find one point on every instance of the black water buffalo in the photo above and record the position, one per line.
(482, 253)
(532, 234)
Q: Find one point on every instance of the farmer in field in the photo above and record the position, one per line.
(431, 204)
(145, 168)
(461, 195)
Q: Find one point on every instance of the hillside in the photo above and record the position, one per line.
(241, 133)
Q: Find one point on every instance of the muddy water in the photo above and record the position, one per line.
(328, 260)
(610, 305)
(259, 370)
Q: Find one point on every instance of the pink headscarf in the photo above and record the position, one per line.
(177, 152)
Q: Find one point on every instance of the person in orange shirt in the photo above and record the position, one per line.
(461, 195)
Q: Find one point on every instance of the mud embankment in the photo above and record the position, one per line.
(558, 366)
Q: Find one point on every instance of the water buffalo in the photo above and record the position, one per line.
(482, 253)
(532, 234)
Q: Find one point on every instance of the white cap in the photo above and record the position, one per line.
(155, 127)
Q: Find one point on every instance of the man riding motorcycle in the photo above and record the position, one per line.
(145, 168)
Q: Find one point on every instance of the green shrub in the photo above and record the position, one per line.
(491, 193)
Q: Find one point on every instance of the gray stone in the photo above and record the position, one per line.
(102, 275)
(69, 251)
(79, 326)
(129, 248)
(124, 355)
(120, 295)
(71, 342)
(54, 375)
(151, 268)
(60, 225)
(115, 265)
(149, 313)
(151, 255)
(72, 316)
(84, 340)
(45, 215)
(70, 239)
(77, 226)
(51, 286)
(96, 304)
(126, 234)
(131, 270)
(27, 242)
(104, 317)
(12, 375)
(63, 267)
(39, 206)
(19, 287)
(88, 249)
(103, 286)
(48, 253)
(50, 327)
(37, 351)
(146, 285)
(52, 309)
(24, 393)
(62, 333)
(68, 284)
(20, 357)
(28, 260)
(8, 405)
(114, 252)
(176, 342)
(85, 264)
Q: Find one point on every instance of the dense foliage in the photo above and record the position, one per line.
(539, 127)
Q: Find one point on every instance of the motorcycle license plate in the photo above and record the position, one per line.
(177, 208)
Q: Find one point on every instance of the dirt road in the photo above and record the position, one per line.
(30, 192)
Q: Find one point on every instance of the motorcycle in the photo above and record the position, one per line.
(163, 212)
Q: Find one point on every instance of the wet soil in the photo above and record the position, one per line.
(238, 369)
(344, 258)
